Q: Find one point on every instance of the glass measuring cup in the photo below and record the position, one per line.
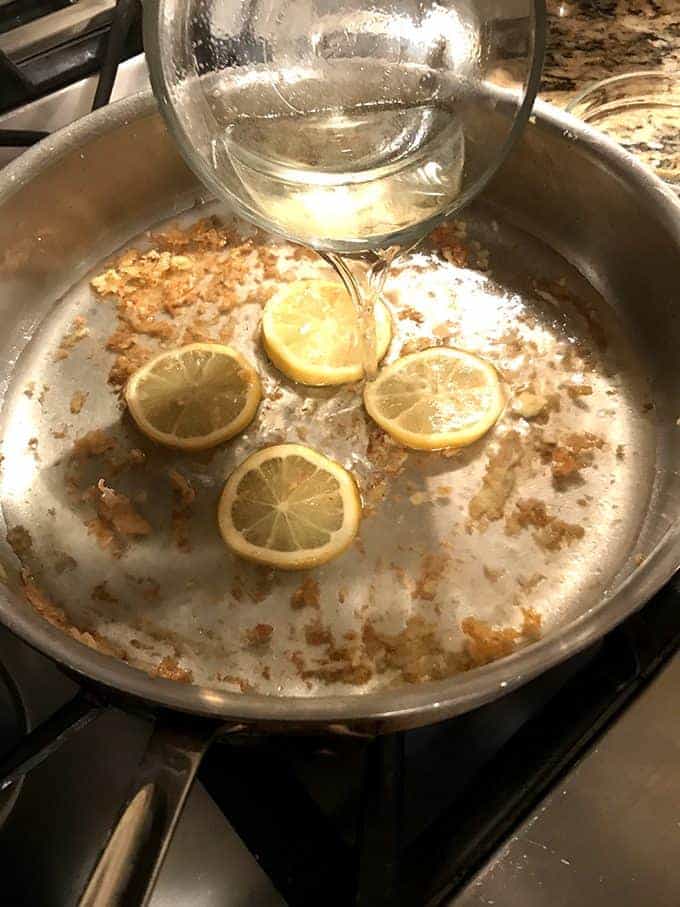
(344, 124)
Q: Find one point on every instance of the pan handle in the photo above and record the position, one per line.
(128, 867)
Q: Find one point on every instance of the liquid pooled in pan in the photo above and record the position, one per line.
(460, 558)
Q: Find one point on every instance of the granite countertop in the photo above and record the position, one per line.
(589, 40)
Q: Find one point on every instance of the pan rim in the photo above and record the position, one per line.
(406, 706)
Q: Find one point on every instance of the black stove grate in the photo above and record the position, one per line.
(21, 12)
(407, 819)
(101, 51)
(396, 821)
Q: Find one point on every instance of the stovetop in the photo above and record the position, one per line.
(48, 44)
(564, 792)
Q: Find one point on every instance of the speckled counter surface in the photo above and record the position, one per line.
(589, 40)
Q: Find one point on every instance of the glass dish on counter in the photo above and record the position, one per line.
(641, 110)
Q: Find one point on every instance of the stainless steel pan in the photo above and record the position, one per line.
(568, 201)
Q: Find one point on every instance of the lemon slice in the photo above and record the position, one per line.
(194, 397)
(289, 507)
(310, 332)
(436, 398)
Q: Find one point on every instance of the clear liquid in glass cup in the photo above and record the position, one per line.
(362, 165)
(351, 127)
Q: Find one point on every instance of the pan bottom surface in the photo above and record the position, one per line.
(460, 558)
